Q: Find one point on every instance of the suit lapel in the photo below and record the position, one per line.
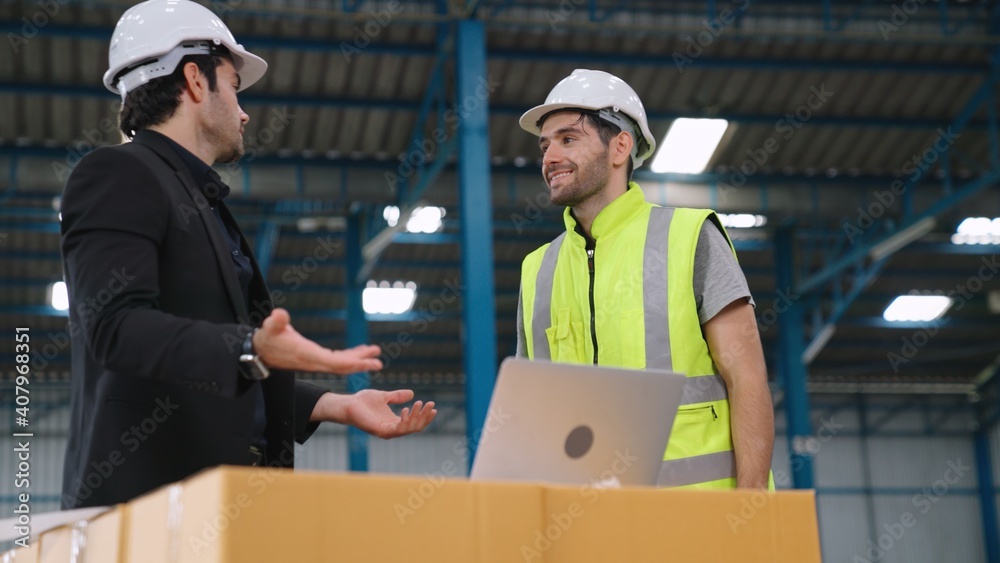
(218, 242)
(258, 291)
(219, 246)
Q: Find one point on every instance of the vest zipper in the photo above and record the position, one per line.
(593, 322)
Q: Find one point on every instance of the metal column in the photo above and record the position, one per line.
(267, 241)
(476, 207)
(987, 495)
(357, 333)
(791, 344)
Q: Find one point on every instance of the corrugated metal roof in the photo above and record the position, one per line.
(350, 116)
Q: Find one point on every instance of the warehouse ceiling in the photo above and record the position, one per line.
(828, 105)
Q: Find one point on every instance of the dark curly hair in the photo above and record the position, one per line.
(156, 101)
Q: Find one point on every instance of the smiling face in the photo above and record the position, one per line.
(576, 164)
(223, 117)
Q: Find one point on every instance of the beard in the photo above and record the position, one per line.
(590, 179)
(232, 153)
(223, 134)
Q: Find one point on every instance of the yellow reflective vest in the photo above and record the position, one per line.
(632, 304)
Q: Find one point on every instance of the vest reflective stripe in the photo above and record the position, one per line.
(654, 289)
(654, 302)
(655, 326)
(697, 469)
(703, 389)
(541, 316)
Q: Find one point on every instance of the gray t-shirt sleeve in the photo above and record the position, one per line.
(718, 278)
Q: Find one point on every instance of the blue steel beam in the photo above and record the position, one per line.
(413, 179)
(866, 466)
(476, 203)
(30, 226)
(861, 250)
(987, 495)
(435, 90)
(33, 310)
(251, 98)
(357, 333)
(862, 281)
(791, 346)
(267, 241)
(374, 248)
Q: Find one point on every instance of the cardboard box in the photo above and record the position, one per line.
(266, 514)
(106, 537)
(56, 546)
(634, 524)
(98, 540)
(21, 554)
(231, 515)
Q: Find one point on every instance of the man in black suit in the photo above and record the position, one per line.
(170, 371)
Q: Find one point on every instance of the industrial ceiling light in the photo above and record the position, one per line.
(312, 224)
(742, 220)
(58, 297)
(391, 215)
(916, 308)
(977, 230)
(688, 145)
(388, 299)
(420, 220)
(425, 220)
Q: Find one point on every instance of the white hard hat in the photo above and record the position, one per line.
(596, 90)
(152, 37)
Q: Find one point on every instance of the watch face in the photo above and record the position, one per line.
(253, 368)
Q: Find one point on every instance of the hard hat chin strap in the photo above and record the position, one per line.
(135, 76)
(626, 124)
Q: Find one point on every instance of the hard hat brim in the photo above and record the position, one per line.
(250, 67)
(529, 121)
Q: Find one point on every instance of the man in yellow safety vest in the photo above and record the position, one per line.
(636, 285)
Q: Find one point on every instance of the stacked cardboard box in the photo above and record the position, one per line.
(240, 515)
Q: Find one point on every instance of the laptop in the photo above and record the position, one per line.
(577, 424)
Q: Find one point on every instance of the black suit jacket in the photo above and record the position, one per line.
(157, 319)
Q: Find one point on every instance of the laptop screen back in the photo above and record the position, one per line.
(577, 424)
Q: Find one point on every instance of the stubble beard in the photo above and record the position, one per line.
(234, 153)
(591, 180)
(230, 145)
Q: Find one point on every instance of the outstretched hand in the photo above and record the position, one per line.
(369, 411)
(281, 346)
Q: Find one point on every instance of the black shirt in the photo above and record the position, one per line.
(215, 191)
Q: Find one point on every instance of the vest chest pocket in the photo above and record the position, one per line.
(694, 428)
(566, 339)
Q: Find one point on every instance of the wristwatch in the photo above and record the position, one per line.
(251, 366)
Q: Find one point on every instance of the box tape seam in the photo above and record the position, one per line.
(175, 514)
(78, 541)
